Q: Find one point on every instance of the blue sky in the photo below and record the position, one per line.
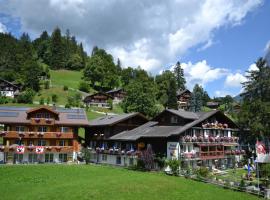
(216, 41)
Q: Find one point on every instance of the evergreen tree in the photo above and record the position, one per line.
(179, 75)
(172, 99)
(255, 109)
(57, 50)
(197, 98)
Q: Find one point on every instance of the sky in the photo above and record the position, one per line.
(216, 41)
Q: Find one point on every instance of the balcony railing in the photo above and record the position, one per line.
(32, 134)
(32, 149)
(210, 139)
(42, 121)
(116, 151)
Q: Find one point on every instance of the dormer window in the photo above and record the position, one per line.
(174, 119)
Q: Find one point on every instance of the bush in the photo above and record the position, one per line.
(47, 84)
(84, 86)
(41, 101)
(242, 185)
(65, 88)
(48, 100)
(202, 172)
(86, 155)
(160, 160)
(174, 166)
(54, 98)
(110, 102)
(26, 97)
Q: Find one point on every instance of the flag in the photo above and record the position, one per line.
(20, 149)
(260, 148)
(39, 149)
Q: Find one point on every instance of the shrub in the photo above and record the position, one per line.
(110, 102)
(84, 86)
(54, 98)
(242, 184)
(26, 97)
(86, 155)
(65, 88)
(174, 166)
(48, 100)
(202, 172)
(47, 84)
(41, 101)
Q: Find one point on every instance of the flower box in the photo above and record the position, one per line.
(31, 134)
(11, 148)
(21, 134)
(58, 148)
(2, 148)
(211, 139)
(37, 120)
(3, 133)
(49, 148)
(48, 121)
(58, 134)
(40, 134)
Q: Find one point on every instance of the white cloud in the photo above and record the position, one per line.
(150, 33)
(222, 93)
(253, 67)
(235, 80)
(202, 73)
(3, 28)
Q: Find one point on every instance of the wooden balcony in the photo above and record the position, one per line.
(32, 149)
(34, 135)
(43, 121)
(211, 155)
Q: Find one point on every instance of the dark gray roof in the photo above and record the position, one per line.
(148, 130)
(114, 90)
(14, 85)
(112, 119)
(151, 129)
(179, 92)
(184, 114)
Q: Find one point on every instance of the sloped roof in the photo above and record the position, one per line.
(114, 90)
(109, 120)
(148, 130)
(9, 83)
(41, 108)
(151, 129)
(18, 115)
(184, 114)
(180, 92)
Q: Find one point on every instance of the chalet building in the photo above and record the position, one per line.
(196, 139)
(117, 94)
(40, 135)
(98, 99)
(101, 129)
(183, 99)
(212, 105)
(9, 89)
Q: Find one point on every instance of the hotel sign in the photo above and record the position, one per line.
(173, 150)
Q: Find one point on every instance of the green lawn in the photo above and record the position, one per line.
(65, 77)
(101, 182)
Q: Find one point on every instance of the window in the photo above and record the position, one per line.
(49, 157)
(32, 158)
(64, 129)
(20, 128)
(41, 142)
(42, 129)
(61, 142)
(43, 115)
(19, 142)
(174, 119)
(104, 157)
(118, 160)
(62, 157)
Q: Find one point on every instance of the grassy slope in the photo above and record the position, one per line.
(65, 77)
(100, 182)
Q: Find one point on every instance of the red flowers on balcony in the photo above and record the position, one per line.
(58, 134)
(21, 134)
(58, 148)
(3, 133)
(48, 121)
(49, 148)
(37, 120)
(40, 134)
(31, 134)
(2, 148)
(30, 148)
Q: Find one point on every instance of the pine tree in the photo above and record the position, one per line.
(196, 99)
(179, 75)
(57, 50)
(172, 99)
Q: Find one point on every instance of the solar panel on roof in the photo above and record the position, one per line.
(76, 116)
(70, 110)
(9, 114)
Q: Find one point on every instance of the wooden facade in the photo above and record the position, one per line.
(117, 94)
(183, 99)
(9, 89)
(41, 129)
(99, 99)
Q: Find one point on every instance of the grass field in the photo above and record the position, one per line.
(102, 182)
(66, 77)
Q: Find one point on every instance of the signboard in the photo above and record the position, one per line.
(262, 155)
(20, 149)
(173, 150)
(39, 149)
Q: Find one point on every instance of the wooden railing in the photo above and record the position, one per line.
(42, 121)
(46, 135)
(32, 149)
(211, 154)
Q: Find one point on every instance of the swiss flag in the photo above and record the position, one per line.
(39, 149)
(260, 148)
(20, 149)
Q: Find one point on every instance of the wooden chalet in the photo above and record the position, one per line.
(205, 138)
(99, 99)
(117, 94)
(9, 89)
(40, 135)
(183, 99)
(212, 104)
